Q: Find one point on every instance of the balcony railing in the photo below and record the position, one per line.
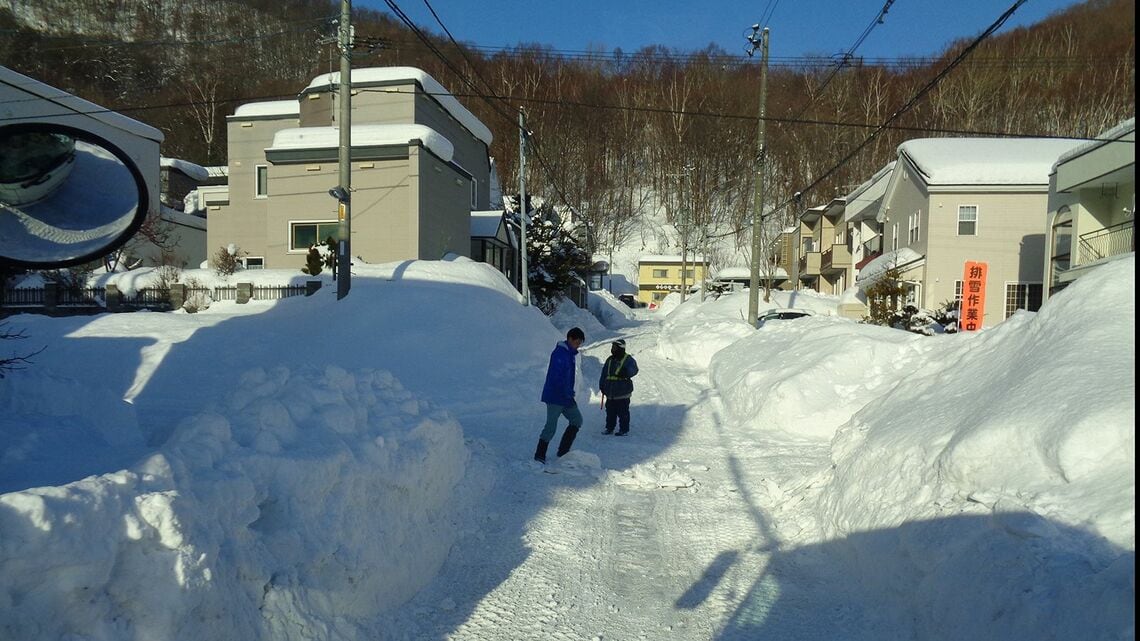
(1110, 241)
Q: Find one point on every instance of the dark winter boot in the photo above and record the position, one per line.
(567, 440)
(540, 451)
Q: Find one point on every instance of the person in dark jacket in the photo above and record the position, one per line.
(558, 394)
(616, 385)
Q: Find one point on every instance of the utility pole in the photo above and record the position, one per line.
(797, 242)
(683, 227)
(758, 216)
(525, 285)
(343, 191)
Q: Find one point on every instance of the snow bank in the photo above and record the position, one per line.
(255, 522)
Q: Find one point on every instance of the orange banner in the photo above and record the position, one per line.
(973, 306)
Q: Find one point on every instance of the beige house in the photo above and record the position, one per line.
(419, 167)
(659, 275)
(825, 261)
(1092, 206)
(953, 200)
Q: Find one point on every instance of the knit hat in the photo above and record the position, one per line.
(619, 343)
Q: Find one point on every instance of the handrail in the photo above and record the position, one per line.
(1110, 241)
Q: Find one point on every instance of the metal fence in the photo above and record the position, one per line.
(94, 299)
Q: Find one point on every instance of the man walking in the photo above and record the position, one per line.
(616, 386)
(558, 394)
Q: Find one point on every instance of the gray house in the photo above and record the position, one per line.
(419, 163)
(953, 200)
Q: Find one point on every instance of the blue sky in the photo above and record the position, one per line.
(797, 27)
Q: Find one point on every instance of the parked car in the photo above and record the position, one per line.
(630, 301)
(781, 314)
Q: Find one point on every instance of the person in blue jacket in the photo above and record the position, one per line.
(558, 394)
(616, 385)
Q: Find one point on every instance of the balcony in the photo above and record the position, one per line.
(809, 264)
(836, 258)
(1105, 243)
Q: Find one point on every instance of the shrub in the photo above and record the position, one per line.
(227, 260)
(320, 257)
(197, 296)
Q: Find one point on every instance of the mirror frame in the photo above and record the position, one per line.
(141, 212)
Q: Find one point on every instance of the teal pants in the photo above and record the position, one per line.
(553, 412)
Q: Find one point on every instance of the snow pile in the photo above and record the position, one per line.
(965, 487)
(263, 507)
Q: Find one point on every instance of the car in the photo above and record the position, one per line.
(630, 301)
(781, 314)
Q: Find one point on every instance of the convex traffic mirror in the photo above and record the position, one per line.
(66, 196)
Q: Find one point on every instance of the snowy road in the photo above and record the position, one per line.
(667, 534)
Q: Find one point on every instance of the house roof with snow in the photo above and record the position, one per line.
(664, 258)
(1105, 137)
(984, 161)
(863, 203)
(363, 136)
(389, 76)
(902, 259)
(486, 224)
(267, 110)
(192, 170)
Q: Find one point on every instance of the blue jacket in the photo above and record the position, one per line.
(559, 387)
(616, 374)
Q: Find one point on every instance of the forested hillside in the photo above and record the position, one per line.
(608, 128)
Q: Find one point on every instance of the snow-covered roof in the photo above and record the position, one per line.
(868, 196)
(485, 224)
(1103, 138)
(75, 104)
(363, 136)
(182, 218)
(901, 258)
(985, 161)
(390, 75)
(269, 108)
(745, 273)
(665, 258)
(195, 171)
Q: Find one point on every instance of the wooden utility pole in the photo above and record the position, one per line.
(758, 214)
(344, 191)
(523, 280)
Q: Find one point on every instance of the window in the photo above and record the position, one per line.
(474, 194)
(661, 273)
(1025, 296)
(305, 235)
(688, 274)
(261, 189)
(253, 262)
(894, 236)
(967, 220)
(912, 227)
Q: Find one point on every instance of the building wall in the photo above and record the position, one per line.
(653, 288)
(444, 213)
(383, 209)
(242, 220)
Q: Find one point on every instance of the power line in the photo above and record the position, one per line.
(486, 97)
(914, 99)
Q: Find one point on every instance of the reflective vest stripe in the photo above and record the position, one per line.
(613, 372)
